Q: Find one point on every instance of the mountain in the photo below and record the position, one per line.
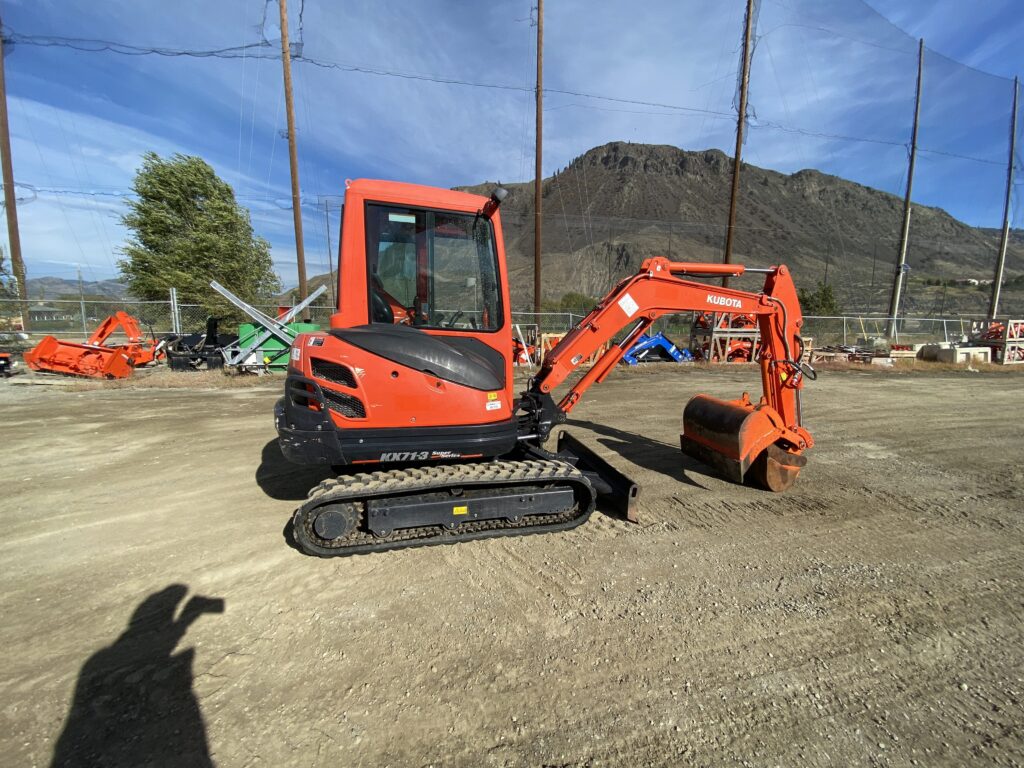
(326, 299)
(58, 288)
(619, 203)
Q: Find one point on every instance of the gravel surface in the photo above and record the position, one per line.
(870, 616)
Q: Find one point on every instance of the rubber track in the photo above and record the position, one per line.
(364, 486)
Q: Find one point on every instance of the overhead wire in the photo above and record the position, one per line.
(231, 52)
(260, 48)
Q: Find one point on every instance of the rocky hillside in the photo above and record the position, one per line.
(619, 203)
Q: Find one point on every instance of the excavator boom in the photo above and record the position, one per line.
(733, 436)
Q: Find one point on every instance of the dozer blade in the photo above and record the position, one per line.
(613, 488)
(737, 438)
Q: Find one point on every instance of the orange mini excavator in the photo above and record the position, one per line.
(409, 396)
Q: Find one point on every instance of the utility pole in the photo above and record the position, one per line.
(993, 309)
(13, 236)
(537, 176)
(330, 257)
(741, 120)
(293, 157)
(901, 261)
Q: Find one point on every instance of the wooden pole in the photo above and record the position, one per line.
(997, 284)
(330, 256)
(901, 261)
(10, 204)
(741, 119)
(293, 157)
(538, 177)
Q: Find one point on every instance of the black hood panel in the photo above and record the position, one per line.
(458, 359)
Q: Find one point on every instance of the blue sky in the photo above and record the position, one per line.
(832, 88)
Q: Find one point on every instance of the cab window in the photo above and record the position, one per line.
(432, 269)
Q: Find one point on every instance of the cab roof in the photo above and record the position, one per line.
(414, 194)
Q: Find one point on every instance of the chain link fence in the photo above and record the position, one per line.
(65, 319)
(76, 320)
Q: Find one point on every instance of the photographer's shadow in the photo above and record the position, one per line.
(133, 703)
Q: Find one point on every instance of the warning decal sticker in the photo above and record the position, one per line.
(628, 306)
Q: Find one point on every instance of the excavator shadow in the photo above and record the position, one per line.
(648, 453)
(280, 479)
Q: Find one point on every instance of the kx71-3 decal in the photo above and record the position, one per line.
(419, 455)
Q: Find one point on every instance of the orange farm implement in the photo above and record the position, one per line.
(95, 358)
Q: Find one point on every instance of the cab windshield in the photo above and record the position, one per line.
(432, 269)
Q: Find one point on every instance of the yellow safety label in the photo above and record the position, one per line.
(492, 395)
(460, 510)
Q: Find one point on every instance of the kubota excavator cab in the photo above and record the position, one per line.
(417, 363)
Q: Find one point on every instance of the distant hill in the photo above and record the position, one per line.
(619, 203)
(326, 299)
(58, 287)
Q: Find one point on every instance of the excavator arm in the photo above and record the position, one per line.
(734, 436)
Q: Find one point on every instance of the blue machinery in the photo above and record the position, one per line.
(653, 347)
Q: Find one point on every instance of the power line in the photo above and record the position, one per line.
(242, 51)
(90, 45)
(805, 132)
(234, 52)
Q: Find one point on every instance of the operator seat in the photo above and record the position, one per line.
(380, 308)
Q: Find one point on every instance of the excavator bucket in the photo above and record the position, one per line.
(738, 438)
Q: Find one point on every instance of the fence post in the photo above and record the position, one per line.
(945, 331)
(81, 308)
(844, 330)
(175, 313)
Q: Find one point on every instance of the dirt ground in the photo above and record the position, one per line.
(871, 616)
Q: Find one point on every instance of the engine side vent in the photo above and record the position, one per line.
(346, 405)
(336, 372)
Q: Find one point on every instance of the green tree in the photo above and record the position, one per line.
(821, 302)
(574, 301)
(186, 230)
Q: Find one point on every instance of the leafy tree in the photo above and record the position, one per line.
(186, 230)
(821, 302)
(573, 301)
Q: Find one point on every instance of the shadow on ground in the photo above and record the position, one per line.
(648, 453)
(133, 703)
(280, 479)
